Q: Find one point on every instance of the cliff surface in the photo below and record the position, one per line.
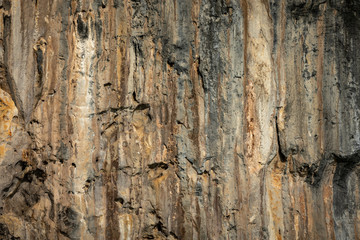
(179, 119)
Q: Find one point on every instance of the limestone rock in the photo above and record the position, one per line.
(134, 119)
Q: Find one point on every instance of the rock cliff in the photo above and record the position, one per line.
(179, 119)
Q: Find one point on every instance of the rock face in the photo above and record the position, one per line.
(131, 119)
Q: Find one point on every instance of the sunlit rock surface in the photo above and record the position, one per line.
(179, 119)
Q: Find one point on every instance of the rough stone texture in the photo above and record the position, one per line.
(130, 119)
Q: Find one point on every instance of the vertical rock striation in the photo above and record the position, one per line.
(134, 119)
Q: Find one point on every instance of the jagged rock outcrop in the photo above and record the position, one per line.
(132, 119)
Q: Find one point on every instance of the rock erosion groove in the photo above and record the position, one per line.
(124, 119)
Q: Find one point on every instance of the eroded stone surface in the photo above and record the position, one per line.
(179, 119)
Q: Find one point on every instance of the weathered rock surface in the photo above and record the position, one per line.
(130, 119)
